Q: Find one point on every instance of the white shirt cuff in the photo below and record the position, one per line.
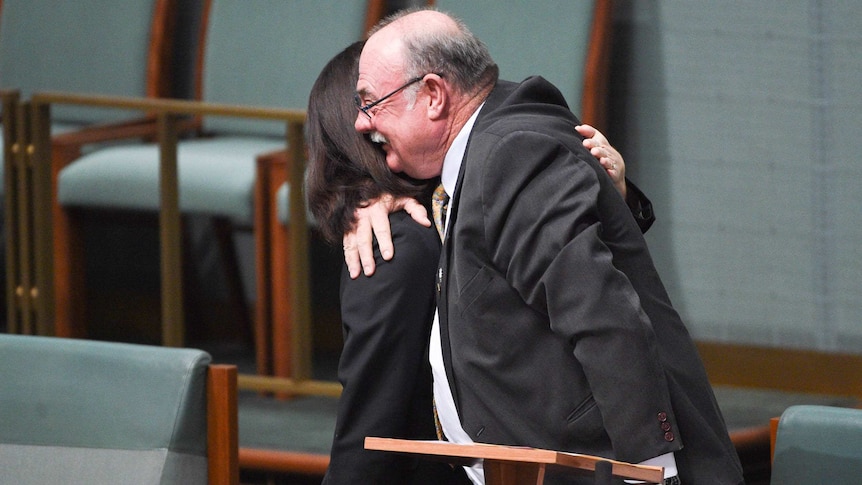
(667, 461)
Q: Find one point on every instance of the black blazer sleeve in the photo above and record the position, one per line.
(384, 366)
(640, 206)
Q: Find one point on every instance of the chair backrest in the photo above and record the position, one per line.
(818, 444)
(556, 39)
(269, 53)
(78, 411)
(116, 47)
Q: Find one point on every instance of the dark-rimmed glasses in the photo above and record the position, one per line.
(365, 109)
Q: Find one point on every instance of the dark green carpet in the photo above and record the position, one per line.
(302, 424)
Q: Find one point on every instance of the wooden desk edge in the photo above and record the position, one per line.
(513, 453)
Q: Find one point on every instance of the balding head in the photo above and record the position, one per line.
(421, 21)
(432, 41)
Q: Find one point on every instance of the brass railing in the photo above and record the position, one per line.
(26, 270)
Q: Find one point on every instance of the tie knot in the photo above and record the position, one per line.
(439, 196)
(439, 205)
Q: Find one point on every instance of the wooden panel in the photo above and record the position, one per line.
(793, 370)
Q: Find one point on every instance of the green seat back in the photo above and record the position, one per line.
(78, 411)
(84, 46)
(269, 53)
(818, 444)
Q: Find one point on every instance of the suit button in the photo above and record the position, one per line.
(669, 436)
(665, 426)
(662, 416)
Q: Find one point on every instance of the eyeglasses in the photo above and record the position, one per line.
(365, 109)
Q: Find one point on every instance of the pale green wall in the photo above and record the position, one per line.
(743, 122)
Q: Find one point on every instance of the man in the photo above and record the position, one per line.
(554, 329)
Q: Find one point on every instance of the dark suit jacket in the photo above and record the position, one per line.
(384, 365)
(557, 331)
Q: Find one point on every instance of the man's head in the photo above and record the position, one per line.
(421, 75)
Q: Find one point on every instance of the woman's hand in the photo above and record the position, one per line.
(608, 156)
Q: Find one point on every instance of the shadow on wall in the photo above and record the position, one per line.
(637, 85)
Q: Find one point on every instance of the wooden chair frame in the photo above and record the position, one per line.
(222, 425)
(170, 115)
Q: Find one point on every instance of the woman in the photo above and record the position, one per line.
(386, 319)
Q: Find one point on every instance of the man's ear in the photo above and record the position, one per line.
(438, 96)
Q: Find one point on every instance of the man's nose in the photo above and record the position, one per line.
(363, 123)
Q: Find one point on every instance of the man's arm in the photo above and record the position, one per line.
(552, 241)
(372, 221)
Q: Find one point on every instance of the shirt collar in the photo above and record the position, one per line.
(455, 154)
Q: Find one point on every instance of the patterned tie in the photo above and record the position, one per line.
(439, 205)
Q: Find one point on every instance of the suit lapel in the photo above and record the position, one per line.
(446, 255)
(443, 280)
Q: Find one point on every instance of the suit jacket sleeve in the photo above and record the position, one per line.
(640, 206)
(383, 366)
(550, 216)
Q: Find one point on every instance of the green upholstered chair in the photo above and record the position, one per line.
(265, 53)
(79, 411)
(818, 444)
(565, 42)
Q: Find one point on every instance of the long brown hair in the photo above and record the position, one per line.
(345, 169)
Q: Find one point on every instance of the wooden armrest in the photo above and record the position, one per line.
(274, 158)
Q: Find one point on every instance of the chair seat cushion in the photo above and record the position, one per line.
(216, 177)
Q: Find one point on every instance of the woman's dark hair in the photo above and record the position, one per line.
(345, 169)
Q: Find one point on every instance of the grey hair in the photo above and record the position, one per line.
(460, 58)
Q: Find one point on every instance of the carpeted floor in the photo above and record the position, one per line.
(301, 424)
